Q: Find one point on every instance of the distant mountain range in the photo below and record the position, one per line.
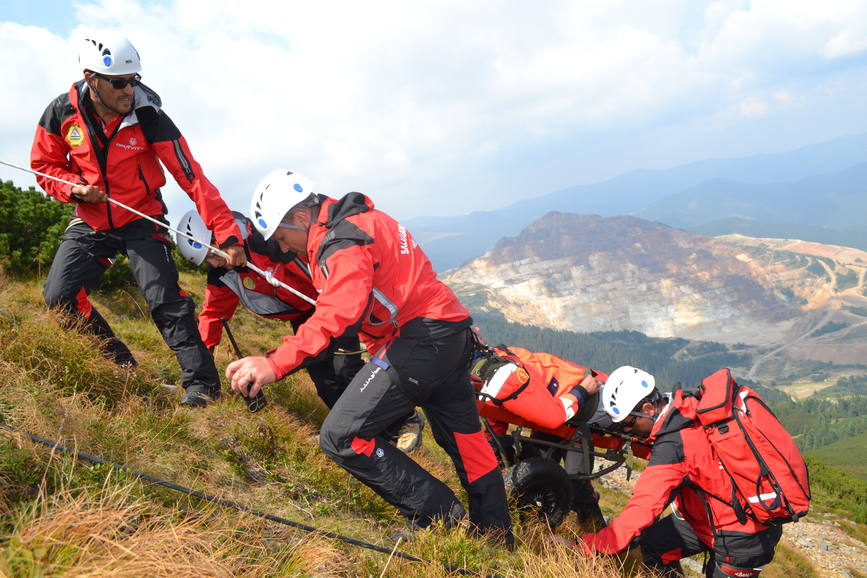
(836, 200)
(818, 192)
(589, 273)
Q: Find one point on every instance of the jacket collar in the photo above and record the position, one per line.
(677, 414)
(145, 97)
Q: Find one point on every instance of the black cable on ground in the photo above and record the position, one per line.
(231, 504)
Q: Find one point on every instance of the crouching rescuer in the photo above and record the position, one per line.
(372, 278)
(711, 512)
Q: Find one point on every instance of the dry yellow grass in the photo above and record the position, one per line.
(113, 532)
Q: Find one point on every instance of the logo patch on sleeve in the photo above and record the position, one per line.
(553, 386)
(249, 283)
(74, 136)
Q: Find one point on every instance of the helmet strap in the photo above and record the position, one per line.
(98, 99)
(290, 216)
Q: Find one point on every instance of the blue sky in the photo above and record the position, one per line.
(445, 107)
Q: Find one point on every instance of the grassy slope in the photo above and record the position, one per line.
(850, 455)
(63, 517)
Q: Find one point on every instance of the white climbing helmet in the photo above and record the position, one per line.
(108, 53)
(626, 386)
(276, 195)
(192, 224)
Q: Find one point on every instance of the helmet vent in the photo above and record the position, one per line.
(104, 51)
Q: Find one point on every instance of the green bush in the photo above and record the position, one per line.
(835, 489)
(32, 225)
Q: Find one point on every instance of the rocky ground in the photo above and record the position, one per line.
(820, 537)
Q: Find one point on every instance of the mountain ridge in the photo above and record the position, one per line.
(590, 273)
(452, 241)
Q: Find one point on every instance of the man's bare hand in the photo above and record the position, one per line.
(249, 374)
(88, 194)
(237, 257)
(590, 384)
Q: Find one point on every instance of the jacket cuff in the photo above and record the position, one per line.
(278, 371)
(581, 395)
(232, 240)
(583, 542)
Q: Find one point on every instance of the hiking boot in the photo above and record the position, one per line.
(403, 535)
(408, 436)
(200, 395)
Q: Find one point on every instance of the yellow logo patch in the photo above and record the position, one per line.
(249, 283)
(75, 136)
(521, 375)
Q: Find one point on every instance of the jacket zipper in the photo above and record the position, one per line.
(183, 161)
(144, 181)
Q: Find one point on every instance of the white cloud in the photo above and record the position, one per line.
(396, 98)
(754, 108)
(846, 43)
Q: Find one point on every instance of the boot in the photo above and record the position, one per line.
(200, 395)
(407, 437)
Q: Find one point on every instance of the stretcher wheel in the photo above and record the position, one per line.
(542, 485)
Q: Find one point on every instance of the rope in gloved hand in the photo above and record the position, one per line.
(230, 504)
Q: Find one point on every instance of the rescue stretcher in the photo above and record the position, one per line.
(543, 462)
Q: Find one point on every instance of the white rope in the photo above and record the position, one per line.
(269, 277)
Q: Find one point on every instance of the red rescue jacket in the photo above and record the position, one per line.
(681, 467)
(71, 144)
(371, 276)
(227, 288)
(544, 389)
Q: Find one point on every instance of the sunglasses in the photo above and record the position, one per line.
(631, 418)
(120, 83)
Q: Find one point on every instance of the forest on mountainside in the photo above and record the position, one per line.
(830, 416)
(671, 360)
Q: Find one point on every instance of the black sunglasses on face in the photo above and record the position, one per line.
(631, 419)
(120, 83)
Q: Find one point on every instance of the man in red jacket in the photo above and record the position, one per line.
(682, 468)
(372, 276)
(227, 286)
(109, 134)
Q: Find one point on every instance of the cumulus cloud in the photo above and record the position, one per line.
(409, 100)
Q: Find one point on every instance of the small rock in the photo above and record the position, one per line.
(823, 546)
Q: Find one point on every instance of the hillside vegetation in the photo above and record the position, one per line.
(62, 516)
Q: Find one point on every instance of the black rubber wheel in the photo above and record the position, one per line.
(542, 486)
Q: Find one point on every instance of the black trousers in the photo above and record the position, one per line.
(83, 257)
(431, 373)
(672, 538)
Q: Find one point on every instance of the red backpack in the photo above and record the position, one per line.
(770, 480)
